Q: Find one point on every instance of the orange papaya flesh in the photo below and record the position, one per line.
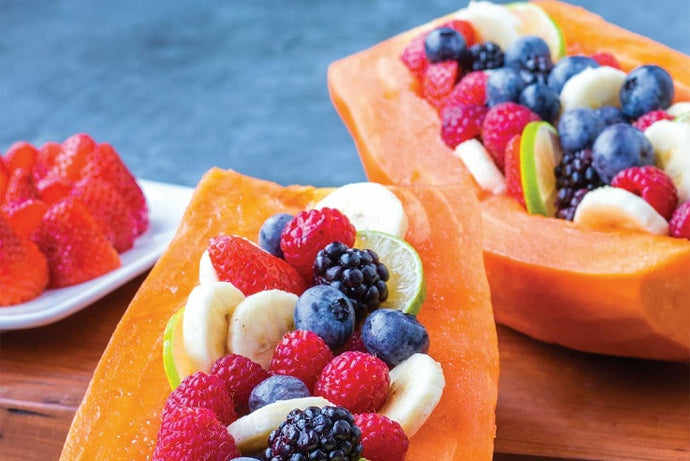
(617, 293)
(119, 415)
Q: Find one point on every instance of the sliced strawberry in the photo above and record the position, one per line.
(4, 180)
(21, 187)
(21, 154)
(53, 189)
(251, 269)
(513, 170)
(75, 247)
(604, 58)
(23, 269)
(74, 153)
(25, 217)
(45, 159)
(439, 81)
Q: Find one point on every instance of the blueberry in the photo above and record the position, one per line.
(276, 387)
(578, 128)
(646, 88)
(393, 336)
(326, 311)
(444, 44)
(618, 147)
(541, 100)
(503, 85)
(611, 115)
(566, 68)
(269, 234)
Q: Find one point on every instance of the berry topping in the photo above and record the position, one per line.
(355, 380)
(21, 154)
(532, 56)
(315, 434)
(270, 232)
(604, 58)
(503, 85)
(249, 268)
(679, 225)
(574, 173)
(357, 273)
(20, 187)
(482, 56)
(438, 82)
(611, 115)
(460, 122)
(302, 354)
(25, 217)
(239, 374)
(444, 44)
(326, 311)
(541, 100)
(274, 388)
(194, 433)
(501, 123)
(618, 147)
(382, 438)
(578, 128)
(45, 159)
(513, 169)
(566, 68)
(652, 184)
(73, 156)
(394, 336)
(470, 90)
(646, 88)
(465, 28)
(414, 56)
(647, 119)
(203, 391)
(309, 232)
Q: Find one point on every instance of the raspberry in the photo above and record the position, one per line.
(679, 225)
(652, 184)
(460, 122)
(251, 269)
(355, 380)
(194, 433)
(240, 374)
(438, 82)
(354, 343)
(382, 438)
(414, 57)
(502, 122)
(205, 391)
(647, 119)
(309, 232)
(465, 29)
(302, 354)
(470, 90)
(513, 171)
(604, 58)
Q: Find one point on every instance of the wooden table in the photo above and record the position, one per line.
(553, 403)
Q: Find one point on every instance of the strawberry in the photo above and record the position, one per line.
(438, 82)
(45, 159)
(21, 154)
(460, 122)
(414, 56)
(21, 187)
(73, 155)
(465, 28)
(502, 122)
(4, 180)
(513, 170)
(23, 269)
(51, 189)
(604, 58)
(75, 247)
(251, 269)
(25, 217)
(470, 90)
(647, 119)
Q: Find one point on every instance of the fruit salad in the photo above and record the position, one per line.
(67, 210)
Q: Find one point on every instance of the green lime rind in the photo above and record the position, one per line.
(548, 28)
(539, 155)
(683, 118)
(406, 285)
(169, 364)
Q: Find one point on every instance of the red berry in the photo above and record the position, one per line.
(382, 438)
(679, 225)
(647, 119)
(470, 90)
(354, 343)
(193, 434)
(414, 56)
(355, 380)
(502, 122)
(52, 189)
(513, 171)
(45, 159)
(465, 29)
(604, 58)
(460, 122)
(652, 184)
(302, 354)
(240, 374)
(309, 232)
(251, 269)
(25, 217)
(73, 155)
(21, 154)
(20, 187)
(204, 391)
(438, 82)
(4, 180)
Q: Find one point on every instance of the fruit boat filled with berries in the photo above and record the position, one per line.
(303, 323)
(574, 134)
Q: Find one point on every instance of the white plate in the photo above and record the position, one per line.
(166, 203)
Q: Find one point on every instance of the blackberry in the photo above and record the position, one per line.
(357, 273)
(481, 56)
(575, 176)
(315, 434)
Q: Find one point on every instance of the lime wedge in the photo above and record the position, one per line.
(540, 152)
(406, 286)
(175, 361)
(535, 21)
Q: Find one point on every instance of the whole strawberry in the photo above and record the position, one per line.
(382, 438)
(205, 391)
(302, 354)
(652, 184)
(460, 122)
(502, 122)
(679, 225)
(240, 374)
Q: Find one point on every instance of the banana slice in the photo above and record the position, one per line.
(205, 322)
(592, 88)
(368, 206)
(251, 431)
(259, 323)
(671, 143)
(679, 108)
(207, 273)
(481, 166)
(415, 390)
(614, 208)
(492, 22)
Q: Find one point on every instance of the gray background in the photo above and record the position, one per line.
(178, 87)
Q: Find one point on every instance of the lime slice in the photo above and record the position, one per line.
(175, 361)
(535, 21)
(540, 152)
(406, 286)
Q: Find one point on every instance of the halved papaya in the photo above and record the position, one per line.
(618, 293)
(119, 416)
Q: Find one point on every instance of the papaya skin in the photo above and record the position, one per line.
(617, 293)
(119, 415)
